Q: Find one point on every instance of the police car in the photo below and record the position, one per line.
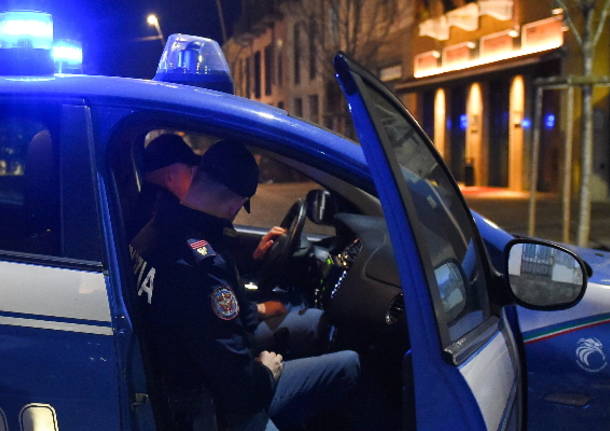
(379, 236)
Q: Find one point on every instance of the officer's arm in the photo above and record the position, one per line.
(240, 383)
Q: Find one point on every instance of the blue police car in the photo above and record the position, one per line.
(379, 237)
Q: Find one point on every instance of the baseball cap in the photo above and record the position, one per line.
(231, 164)
(166, 150)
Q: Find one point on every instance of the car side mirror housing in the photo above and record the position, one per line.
(320, 206)
(543, 275)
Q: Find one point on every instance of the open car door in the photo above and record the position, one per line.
(465, 363)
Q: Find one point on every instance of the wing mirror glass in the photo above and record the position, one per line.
(543, 275)
(320, 206)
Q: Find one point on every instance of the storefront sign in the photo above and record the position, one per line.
(543, 34)
(390, 73)
(426, 62)
(497, 44)
(459, 53)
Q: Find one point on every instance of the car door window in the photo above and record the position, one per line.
(29, 182)
(460, 294)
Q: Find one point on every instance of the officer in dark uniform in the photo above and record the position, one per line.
(168, 168)
(198, 321)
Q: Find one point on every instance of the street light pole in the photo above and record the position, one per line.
(153, 21)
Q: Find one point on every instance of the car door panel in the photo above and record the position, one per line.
(465, 367)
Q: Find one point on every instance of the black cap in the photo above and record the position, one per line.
(230, 163)
(166, 150)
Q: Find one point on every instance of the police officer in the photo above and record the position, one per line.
(169, 165)
(199, 323)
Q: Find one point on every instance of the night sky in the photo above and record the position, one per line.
(109, 29)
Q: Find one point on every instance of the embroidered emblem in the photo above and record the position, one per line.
(202, 247)
(590, 355)
(198, 244)
(224, 303)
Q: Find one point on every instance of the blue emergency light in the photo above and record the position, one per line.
(194, 60)
(68, 56)
(26, 39)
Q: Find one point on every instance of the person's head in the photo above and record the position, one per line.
(170, 163)
(225, 181)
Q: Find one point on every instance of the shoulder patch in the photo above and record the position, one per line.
(224, 303)
(201, 248)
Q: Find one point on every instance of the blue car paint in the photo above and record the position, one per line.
(561, 394)
(92, 390)
(433, 375)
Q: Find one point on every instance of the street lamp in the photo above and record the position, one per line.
(153, 21)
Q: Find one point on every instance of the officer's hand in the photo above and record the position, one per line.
(273, 361)
(267, 241)
(270, 309)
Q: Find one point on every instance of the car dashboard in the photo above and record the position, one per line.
(359, 284)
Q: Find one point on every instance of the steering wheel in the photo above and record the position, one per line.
(284, 245)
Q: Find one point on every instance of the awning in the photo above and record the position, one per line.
(475, 72)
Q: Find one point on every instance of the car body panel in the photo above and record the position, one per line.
(82, 327)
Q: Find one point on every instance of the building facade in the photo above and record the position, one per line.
(470, 73)
(281, 52)
(465, 69)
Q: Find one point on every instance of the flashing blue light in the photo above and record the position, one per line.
(26, 30)
(526, 123)
(549, 121)
(463, 122)
(194, 60)
(68, 56)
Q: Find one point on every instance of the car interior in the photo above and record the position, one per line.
(336, 256)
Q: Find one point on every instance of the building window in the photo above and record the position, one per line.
(297, 54)
(313, 51)
(298, 107)
(314, 108)
(257, 75)
(268, 68)
(248, 76)
(280, 105)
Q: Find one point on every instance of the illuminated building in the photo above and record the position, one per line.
(470, 68)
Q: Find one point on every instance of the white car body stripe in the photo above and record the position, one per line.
(491, 364)
(593, 303)
(50, 291)
(57, 326)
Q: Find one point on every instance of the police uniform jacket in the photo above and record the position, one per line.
(198, 322)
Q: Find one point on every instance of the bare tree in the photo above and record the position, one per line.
(591, 16)
(359, 28)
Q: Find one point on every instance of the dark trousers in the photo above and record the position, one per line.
(307, 388)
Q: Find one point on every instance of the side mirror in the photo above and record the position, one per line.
(543, 275)
(321, 207)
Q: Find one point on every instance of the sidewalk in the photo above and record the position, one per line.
(509, 210)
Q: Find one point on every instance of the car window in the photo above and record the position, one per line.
(280, 186)
(29, 181)
(450, 246)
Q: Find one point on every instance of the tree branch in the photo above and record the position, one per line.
(568, 20)
(600, 24)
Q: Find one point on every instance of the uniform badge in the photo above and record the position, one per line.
(202, 247)
(224, 303)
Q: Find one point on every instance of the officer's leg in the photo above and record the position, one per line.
(311, 386)
(295, 334)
